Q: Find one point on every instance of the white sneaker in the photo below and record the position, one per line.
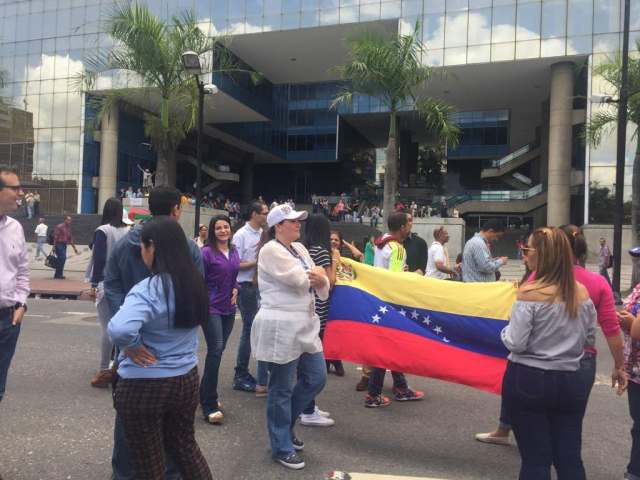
(321, 412)
(315, 420)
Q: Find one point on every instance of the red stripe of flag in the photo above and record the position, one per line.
(408, 353)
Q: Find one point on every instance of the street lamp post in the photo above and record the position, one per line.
(620, 157)
(191, 64)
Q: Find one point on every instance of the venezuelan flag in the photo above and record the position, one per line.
(420, 325)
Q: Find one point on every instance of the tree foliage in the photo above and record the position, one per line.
(604, 121)
(150, 50)
(392, 70)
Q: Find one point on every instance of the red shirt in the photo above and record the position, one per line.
(62, 233)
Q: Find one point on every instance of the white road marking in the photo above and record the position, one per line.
(372, 476)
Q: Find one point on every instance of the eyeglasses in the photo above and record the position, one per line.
(525, 250)
(15, 188)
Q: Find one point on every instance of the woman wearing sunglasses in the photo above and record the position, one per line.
(285, 332)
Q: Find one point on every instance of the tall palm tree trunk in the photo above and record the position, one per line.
(635, 214)
(166, 169)
(390, 170)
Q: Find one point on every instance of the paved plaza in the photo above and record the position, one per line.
(54, 426)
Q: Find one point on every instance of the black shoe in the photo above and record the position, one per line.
(292, 461)
(339, 368)
(298, 444)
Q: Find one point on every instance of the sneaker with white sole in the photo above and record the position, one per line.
(321, 412)
(316, 420)
(293, 461)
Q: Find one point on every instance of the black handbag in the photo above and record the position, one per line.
(51, 261)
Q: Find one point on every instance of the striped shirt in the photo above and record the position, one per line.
(321, 258)
(477, 264)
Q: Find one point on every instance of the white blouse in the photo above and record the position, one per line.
(286, 325)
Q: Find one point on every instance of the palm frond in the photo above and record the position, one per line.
(345, 97)
(437, 118)
(602, 123)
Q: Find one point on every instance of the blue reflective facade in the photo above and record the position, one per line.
(43, 44)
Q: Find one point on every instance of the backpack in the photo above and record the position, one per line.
(610, 261)
(50, 232)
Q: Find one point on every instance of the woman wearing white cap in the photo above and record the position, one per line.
(285, 330)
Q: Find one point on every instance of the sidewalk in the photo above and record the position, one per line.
(73, 286)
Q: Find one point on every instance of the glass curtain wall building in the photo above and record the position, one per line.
(506, 62)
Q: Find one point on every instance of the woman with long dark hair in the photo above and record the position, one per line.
(317, 231)
(221, 266)
(285, 332)
(156, 328)
(544, 390)
(112, 228)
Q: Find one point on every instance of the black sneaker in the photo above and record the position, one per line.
(244, 385)
(292, 461)
(297, 443)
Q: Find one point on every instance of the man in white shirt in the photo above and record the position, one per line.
(246, 241)
(438, 258)
(41, 237)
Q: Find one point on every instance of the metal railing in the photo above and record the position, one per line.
(500, 162)
(492, 196)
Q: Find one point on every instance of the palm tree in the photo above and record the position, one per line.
(391, 69)
(151, 49)
(604, 122)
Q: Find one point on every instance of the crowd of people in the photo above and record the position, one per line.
(352, 210)
(155, 288)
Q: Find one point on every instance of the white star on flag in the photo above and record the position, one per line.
(427, 320)
(415, 314)
(403, 312)
(446, 340)
(375, 319)
(383, 309)
(438, 329)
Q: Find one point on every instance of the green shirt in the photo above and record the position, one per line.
(369, 253)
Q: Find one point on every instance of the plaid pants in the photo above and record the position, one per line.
(158, 414)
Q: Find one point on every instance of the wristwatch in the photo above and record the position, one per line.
(21, 305)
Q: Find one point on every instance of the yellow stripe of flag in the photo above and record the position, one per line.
(486, 300)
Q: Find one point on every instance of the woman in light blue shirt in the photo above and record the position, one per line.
(156, 328)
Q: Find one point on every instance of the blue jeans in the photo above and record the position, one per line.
(121, 462)
(547, 408)
(292, 386)
(40, 246)
(588, 372)
(8, 340)
(248, 298)
(633, 469)
(216, 333)
(61, 253)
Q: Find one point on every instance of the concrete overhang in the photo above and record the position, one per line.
(219, 108)
(478, 87)
(303, 55)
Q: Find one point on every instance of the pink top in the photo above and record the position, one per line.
(601, 296)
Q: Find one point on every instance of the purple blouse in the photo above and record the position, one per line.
(220, 275)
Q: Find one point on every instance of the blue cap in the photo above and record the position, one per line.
(634, 252)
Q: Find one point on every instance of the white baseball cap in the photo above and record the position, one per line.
(284, 212)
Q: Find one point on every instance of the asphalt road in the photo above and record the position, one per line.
(53, 425)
